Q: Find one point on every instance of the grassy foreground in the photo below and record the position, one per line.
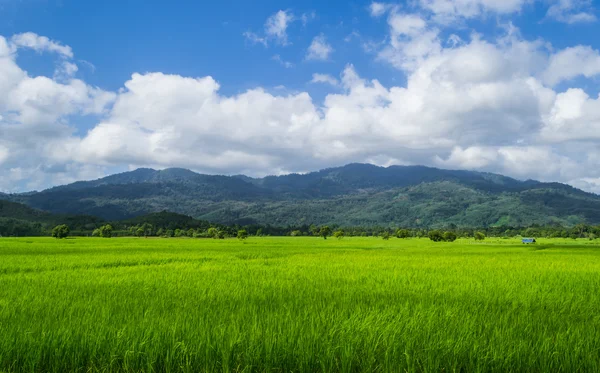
(298, 304)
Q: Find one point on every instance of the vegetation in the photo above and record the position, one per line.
(339, 234)
(298, 304)
(479, 236)
(242, 234)
(324, 232)
(350, 196)
(105, 231)
(61, 231)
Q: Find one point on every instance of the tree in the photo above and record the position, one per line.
(61, 231)
(105, 231)
(338, 234)
(385, 235)
(212, 233)
(449, 236)
(479, 236)
(436, 236)
(147, 230)
(242, 234)
(296, 233)
(402, 233)
(324, 232)
(139, 232)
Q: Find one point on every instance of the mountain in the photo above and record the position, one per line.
(352, 195)
(20, 220)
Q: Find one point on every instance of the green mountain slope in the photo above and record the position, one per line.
(353, 195)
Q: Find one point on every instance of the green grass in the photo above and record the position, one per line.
(298, 304)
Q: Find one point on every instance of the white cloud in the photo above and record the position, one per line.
(277, 24)
(379, 9)
(325, 78)
(319, 49)
(40, 44)
(572, 11)
(286, 64)
(255, 39)
(574, 116)
(475, 103)
(276, 27)
(4, 152)
(35, 112)
(572, 62)
(445, 11)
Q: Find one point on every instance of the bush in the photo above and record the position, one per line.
(436, 236)
(479, 236)
(104, 231)
(338, 234)
(61, 231)
(402, 233)
(450, 236)
(212, 233)
(242, 234)
(385, 235)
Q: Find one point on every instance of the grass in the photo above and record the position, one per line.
(298, 304)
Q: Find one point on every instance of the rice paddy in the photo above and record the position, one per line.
(298, 305)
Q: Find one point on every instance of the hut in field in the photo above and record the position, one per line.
(528, 241)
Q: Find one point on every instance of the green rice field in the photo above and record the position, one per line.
(298, 305)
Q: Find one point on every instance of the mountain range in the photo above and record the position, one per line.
(352, 195)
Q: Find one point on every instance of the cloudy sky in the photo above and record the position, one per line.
(271, 87)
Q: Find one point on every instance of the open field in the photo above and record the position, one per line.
(298, 304)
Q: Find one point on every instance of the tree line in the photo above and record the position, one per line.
(193, 229)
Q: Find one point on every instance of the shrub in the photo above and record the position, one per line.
(402, 233)
(61, 231)
(449, 236)
(212, 233)
(479, 236)
(242, 234)
(105, 231)
(338, 234)
(436, 236)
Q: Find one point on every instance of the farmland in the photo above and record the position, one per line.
(298, 304)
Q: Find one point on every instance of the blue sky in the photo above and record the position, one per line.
(269, 87)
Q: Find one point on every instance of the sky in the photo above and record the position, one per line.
(91, 88)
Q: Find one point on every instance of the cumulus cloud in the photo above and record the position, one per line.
(40, 44)
(325, 78)
(319, 49)
(446, 11)
(572, 62)
(35, 112)
(572, 11)
(472, 103)
(275, 28)
(379, 9)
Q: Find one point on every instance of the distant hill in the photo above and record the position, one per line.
(20, 220)
(353, 195)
